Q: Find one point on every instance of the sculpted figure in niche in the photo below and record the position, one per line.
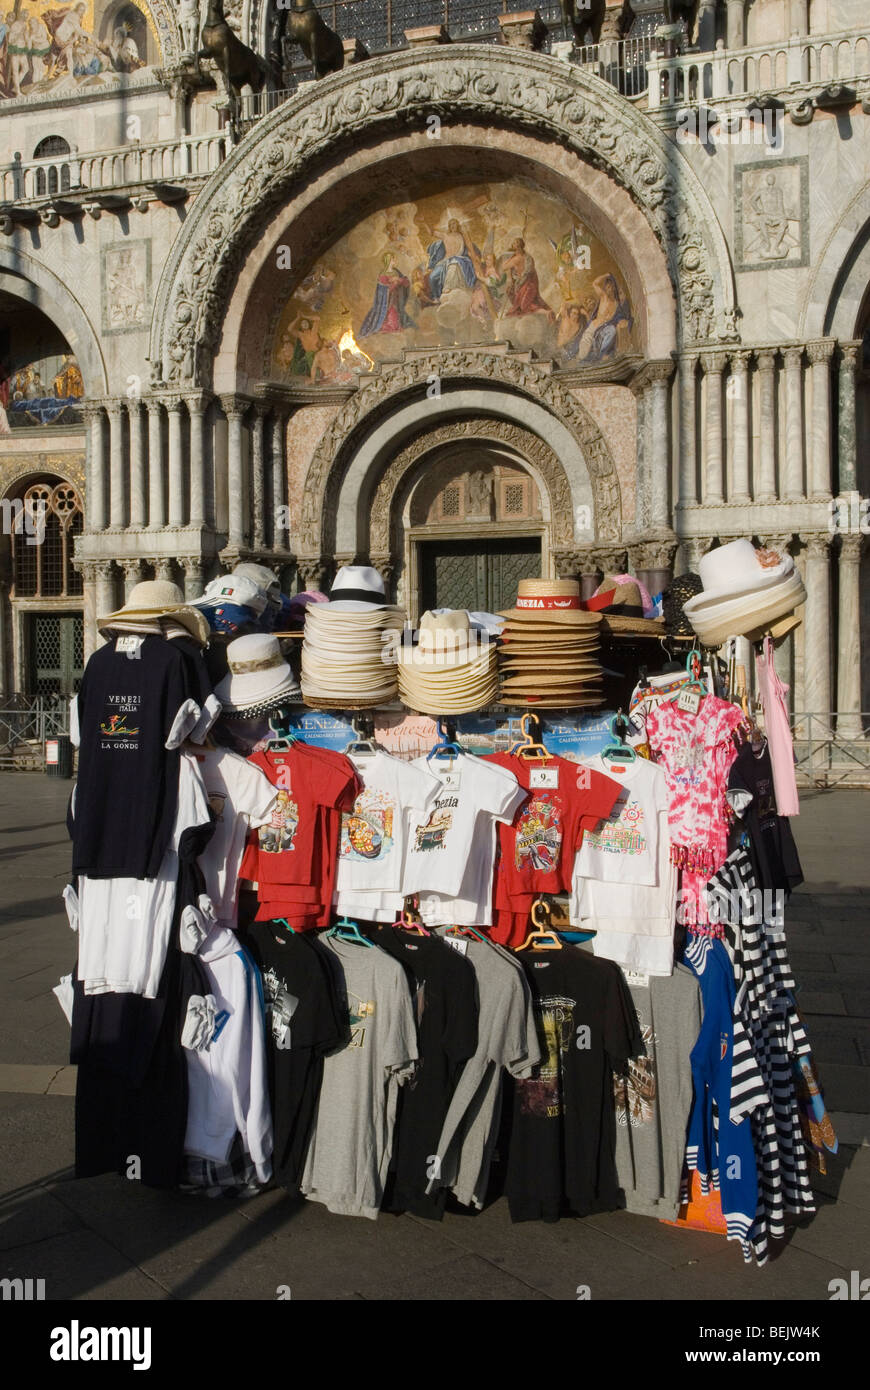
(770, 218)
(480, 493)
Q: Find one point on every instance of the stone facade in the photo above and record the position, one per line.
(732, 191)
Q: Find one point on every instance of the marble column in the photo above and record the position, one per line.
(132, 575)
(196, 406)
(688, 486)
(138, 481)
(798, 17)
(104, 574)
(849, 637)
(713, 365)
(820, 354)
(734, 24)
(235, 411)
(258, 477)
(641, 493)
(765, 482)
(194, 576)
(653, 563)
(88, 571)
(792, 470)
(117, 498)
(738, 387)
(706, 31)
(4, 685)
(176, 462)
(156, 488)
(587, 570)
(96, 513)
(847, 447)
(817, 624)
(659, 439)
(280, 537)
(164, 568)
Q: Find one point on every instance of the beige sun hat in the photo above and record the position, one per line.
(159, 598)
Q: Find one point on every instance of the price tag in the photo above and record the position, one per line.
(544, 777)
(130, 644)
(458, 944)
(449, 777)
(689, 700)
(637, 977)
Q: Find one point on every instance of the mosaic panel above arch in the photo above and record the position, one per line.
(481, 263)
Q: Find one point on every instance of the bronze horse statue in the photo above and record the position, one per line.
(239, 65)
(585, 20)
(320, 44)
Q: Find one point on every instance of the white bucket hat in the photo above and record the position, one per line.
(159, 598)
(258, 675)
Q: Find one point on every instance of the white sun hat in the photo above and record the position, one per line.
(749, 590)
(357, 589)
(258, 675)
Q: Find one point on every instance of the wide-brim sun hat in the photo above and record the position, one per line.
(739, 568)
(717, 620)
(159, 598)
(258, 675)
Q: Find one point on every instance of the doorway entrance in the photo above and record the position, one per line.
(56, 654)
(481, 575)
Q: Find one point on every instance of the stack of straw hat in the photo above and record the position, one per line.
(549, 656)
(350, 646)
(453, 669)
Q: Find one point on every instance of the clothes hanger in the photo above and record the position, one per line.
(364, 744)
(283, 737)
(446, 745)
(410, 923)
(282, 922)
(618, 750)
(543, 938)
(529, 748)
(346, 930)
(471, 932)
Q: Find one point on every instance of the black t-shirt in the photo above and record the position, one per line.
(561, 1144)
(771, 844)
(127, 786)
(304, 1022)
(443, 988)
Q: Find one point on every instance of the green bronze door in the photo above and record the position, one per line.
(478, 575)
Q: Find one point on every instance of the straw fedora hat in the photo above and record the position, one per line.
(549, 603)
(159, 598)
(619, 602)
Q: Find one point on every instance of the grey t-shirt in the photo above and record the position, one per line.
(506, 1038)
(654, 1100)
(349, 1152)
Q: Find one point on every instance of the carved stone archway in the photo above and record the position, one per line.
(393, 384)
(503, 86)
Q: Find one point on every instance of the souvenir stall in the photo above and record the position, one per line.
(391, 918)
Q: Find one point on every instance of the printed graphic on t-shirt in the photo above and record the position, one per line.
(433, 834)
(216, 803)
(358, 1010)
(120, 725)
(542, 1095)
(623, 833)
(280, 1008)
(635, 1091)
(279, 834)
(367, 830)
(539, 835)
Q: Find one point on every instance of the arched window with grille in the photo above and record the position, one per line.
(54, 178)
(46, 524)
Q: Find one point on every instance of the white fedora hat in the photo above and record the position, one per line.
(357, 589)
(737, 568)
(258, 674)
(717, 620)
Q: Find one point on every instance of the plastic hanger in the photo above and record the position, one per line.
(618, 750)
(364, 744)
(283, 737)
(543, 938)
(346, 930)
(406, 922)
(528, 747)
(282, 922)
(470, 932)
(446, 745)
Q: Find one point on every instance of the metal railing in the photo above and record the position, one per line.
(25, 724)
(831, 749)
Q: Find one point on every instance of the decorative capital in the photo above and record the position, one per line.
(192, 565)
(849, 358)
(525, 29)
(567, 563)
(818, 546)
(766, 359)
(793, 357)
(779, 541)
(713, 363)
(653, 555)
(310, 570)
(104, 571)
(821, 351)
(650, 373)
(740, 362)
(132, 568)
(235, 407)
(851, 547)
(164, 568)
(696, 548)
(609, 561)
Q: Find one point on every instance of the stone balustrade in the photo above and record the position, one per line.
(127, 166)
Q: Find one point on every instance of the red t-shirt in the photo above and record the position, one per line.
(537, 850)
(290, 848)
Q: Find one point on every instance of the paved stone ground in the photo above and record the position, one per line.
(107, 1238)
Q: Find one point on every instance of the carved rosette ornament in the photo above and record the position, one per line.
(400, 90)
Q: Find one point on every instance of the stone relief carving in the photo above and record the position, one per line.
(380, 392)
(509, 85)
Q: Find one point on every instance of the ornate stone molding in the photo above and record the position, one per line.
(526, 443)
(818, 547)
(821, 351)
(649, 373)
(400, 90)
(382, 391)
(653, 554)
(610, 561)
(851, 548)
(66, 466)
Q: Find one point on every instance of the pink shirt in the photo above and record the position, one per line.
(696, 752)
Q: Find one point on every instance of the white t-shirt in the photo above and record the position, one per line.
(374, 834)
(624, 847)
(241, 797)
(458, 828)
(633, 922)
(125, 923)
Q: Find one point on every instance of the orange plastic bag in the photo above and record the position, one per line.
(701, 1213)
